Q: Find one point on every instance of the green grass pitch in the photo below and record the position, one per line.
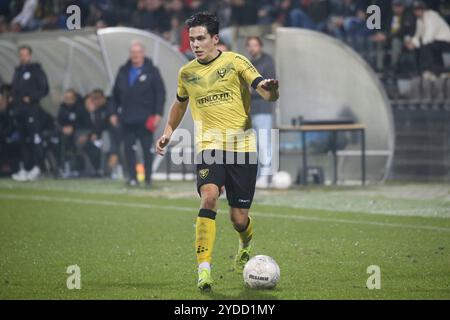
(139, 244)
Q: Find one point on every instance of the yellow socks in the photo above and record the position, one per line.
(246, 236)
(205, 235)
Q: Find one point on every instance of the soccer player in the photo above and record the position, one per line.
(217, 86)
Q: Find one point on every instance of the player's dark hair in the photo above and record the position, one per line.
(26, 47)
(204, 19)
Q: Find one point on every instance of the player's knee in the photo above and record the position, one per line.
(209, 201)
(209, 197)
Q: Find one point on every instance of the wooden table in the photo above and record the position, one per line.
(334, 128)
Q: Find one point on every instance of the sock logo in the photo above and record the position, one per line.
(201, 249)
(203, 173)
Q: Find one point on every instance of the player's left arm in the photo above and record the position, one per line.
(268, 89)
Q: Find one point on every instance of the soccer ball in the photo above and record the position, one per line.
(281, 180)
(261, 272)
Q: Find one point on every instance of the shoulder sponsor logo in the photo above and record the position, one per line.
(214, 99)
(191, 77)
(247, 63)
(203, 173)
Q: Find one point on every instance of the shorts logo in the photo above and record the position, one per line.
(221, 72)
(203, 173)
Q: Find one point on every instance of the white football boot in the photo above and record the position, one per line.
(21, 175)
(34, 173)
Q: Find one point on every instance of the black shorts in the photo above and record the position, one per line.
(235, 170)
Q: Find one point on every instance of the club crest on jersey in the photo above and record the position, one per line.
(221, 72)
(203, 173)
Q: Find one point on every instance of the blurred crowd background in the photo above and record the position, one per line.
(344, 19)
(341, 18)
(403, 53)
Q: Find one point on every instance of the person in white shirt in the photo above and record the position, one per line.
(431, 39)
(25, 18)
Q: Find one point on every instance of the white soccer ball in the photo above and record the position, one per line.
(261, 272)
(281, 180)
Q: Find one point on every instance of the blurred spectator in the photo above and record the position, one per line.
(157, 19)
(87, 143)
(178, 13)
(75, 123)
(347, 22)
(122, 11)
(261, 110)
(3, 25)
(100, 118)
(111, 124)
(197, 6)
(139, 95)
(176, 31)
(244, 12)
(178, 9)
(266, 12)
(100, 14)
(393, 34)
(139, 15)
(9, 146)
(5, 8)
(348, 19)
(223, 10)
(29, 86)
(282, 16)
(431, 39)
(309, 15)
(26, 20)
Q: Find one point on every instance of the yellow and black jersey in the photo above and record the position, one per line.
(219, 98)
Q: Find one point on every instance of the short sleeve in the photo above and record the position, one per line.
(182, 94)
(247, 71)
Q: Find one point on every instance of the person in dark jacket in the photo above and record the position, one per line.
(9, 146)
(74, 122)
(29, 86)
(106, 121)
(100, 118)
(401, 24)
(261, 111)
(139, 95)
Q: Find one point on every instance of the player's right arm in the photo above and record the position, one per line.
(176, 113)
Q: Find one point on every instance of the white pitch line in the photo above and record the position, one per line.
(255, 213)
